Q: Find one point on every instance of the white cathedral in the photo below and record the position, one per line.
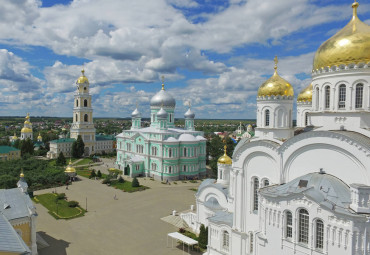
(307, 193)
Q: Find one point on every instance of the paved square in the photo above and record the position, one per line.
(129, 225)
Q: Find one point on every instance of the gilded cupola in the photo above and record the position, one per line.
(351, 45)
(305, 95)
(82, 78)
(275, 86)
(225, 159)
(70, 168)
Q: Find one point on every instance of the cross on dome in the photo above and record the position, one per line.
(162, 82)
(276, 62)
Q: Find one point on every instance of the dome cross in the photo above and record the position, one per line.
(162, 82)
(276, 62)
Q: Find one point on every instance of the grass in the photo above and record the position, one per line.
(127, 186)
(60, 210)
(85, 161)
(86, 173)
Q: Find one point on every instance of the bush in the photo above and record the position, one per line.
(99, 174)
(203, 237)
(92, 174)
(120, 179)
(135, 183)
(107, 180)
(61, 196)
(73, 203)
(182, 230)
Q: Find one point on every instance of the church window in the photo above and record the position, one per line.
(86, 118)
(170, 117)
(154, 166)
(170, 153)
(267, 118)
(289, 225)
(169, 169)
(184, 168)
(327, 97)
(77, 103)
(359, 95)
(342, 96)
(185, 152)
(85, 103)
(266, 183)
(76, 118)
(251, 243)
(225, 240)
(303, 226)
(317, 98)
(128, 146)
(154, 151)
(306, 119)
(319, 235)
(139, 148)
(255, 194)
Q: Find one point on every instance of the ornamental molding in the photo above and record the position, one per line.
(324, 134)
(253, 144)
(288, 99)
(335, 219)
(339, 68)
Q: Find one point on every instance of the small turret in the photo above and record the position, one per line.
(22, 184)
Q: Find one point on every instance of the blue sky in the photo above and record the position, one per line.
(213, 53)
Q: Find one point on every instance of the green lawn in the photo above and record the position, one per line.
(126, 186)
(60, 210)
(85, 161)
(86, 173)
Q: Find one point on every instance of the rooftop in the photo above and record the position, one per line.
(7, 149)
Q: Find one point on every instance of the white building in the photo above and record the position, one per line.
(302, 194)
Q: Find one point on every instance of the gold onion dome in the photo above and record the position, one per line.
(82, 78)
(351, 45)
(224, 159)
(305, 95)
(15, 137)
(27, 122)
(70, 168)
(26, 130)
(39, 137)
(22, 174)
(275, 86)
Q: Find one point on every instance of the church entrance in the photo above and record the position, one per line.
(87, 151)
(127, 170)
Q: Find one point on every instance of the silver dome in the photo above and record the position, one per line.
(162, 114)
(162, 97)
(189, 114)
(136, 114)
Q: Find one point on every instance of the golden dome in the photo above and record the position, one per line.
(275, 86)
(224, 159)
(69, 168)
(26, 130)
(28, 116)
(15, 137)
(305, 95)
(39, 137)
(82, 78)
(351, 45)
(27, 122)
(22, 174)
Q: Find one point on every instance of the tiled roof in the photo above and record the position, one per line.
(15, 204)
(7, 149)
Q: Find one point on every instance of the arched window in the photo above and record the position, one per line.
(169, 169)
(267, 118)
(306, 119)
(170, 153)
(86, 118)
(184, 152)
(225, 240)
(170, 117)
(184, 168)
(76, 118)
(85, 103)
(154, 151)
(266, 183)
(303, 226)
(251, 243)
(359, 95)
(77, 103)
(342, 96)
(256, 184)
(327, 97)
(317, 98)
(154, 166)
(288, 225)
(319, 235)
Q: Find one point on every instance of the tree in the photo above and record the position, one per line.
(92, 174)
(215, 149)
(120, 179)
(61, 160)
(17, 144)
(27, 146)
(99, 174)
(78, 148)
(203, 237)
(135, 183)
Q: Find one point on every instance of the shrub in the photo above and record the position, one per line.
(107, 180)
(99, 174)
(135, 183)
(61, 196)
(203, 237)
(92, 174)
(120, 179)
(73, 203)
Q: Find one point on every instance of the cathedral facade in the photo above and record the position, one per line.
(302, 191)
(162, 151)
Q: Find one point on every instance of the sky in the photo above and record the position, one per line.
(212, 53)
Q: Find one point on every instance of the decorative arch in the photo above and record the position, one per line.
(86, 118)
(85, 102)
(211, 192)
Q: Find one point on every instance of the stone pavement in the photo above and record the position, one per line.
(129, 225)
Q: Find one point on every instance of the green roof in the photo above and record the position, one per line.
(64, 140)
(7, 149)
(105, 137)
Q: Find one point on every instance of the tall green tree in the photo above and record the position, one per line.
(216, 149)
(203, 237)
(17, 144)
(78, 148)
(27, 147)
(61, 160)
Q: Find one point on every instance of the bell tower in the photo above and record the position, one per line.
(83, 124)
